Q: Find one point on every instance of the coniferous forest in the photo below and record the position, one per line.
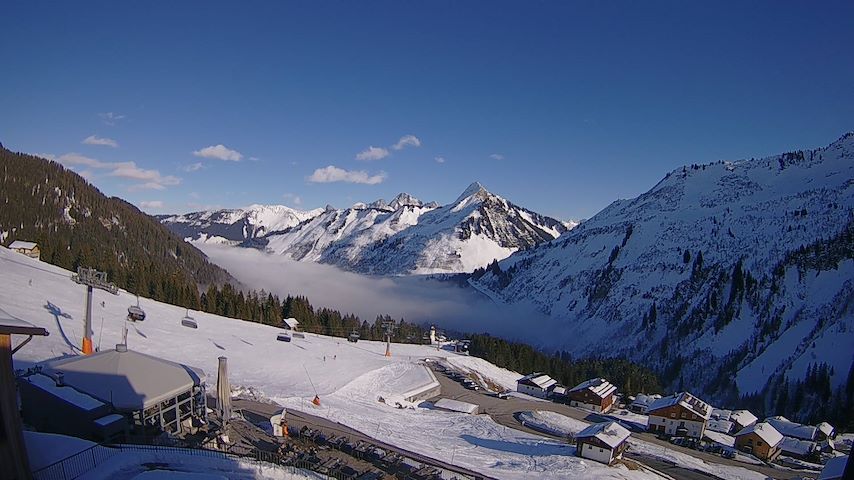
(75, 225)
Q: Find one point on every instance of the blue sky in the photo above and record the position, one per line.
(561, 107)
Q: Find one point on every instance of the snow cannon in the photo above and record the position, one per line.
(316, 400)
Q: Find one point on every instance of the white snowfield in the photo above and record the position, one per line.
(349, 378)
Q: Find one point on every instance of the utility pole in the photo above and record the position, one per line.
(92, 279)
(389, 329)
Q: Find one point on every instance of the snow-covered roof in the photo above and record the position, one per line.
(14, 325)
(765, 431)
(540, 380)
(686, 400)
(67, 393)
(559, 390)
(23, 244)
(128, 380)
(743, 417)
(721, 414)
(610, 433)
(723, 426)
(291, 322)
(645, 400)
(455, 406)
(834, 468)
(599, 386)
(718, 437)
(825, 428)
(791, 429)
(798, 447)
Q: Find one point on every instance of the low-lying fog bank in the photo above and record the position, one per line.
(417, 299)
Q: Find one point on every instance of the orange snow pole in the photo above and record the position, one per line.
(316, 400)
(387, 350)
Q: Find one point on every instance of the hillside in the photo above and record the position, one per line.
(745, 265)
(75, 224)
(403, 236)
(348, 377)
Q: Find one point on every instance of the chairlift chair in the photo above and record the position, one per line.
(354, 336)
(135, 313)
(189, 321)
(283, 337)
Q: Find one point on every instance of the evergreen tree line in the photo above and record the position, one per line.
(809, 400)
(75, 225)
(629, 377)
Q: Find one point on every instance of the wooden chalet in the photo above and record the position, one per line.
(596, 394)
(761, 440)
(602, 442)
(30, 249)
(681, 415)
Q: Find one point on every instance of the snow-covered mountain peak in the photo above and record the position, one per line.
(405, 200)
(474, 189)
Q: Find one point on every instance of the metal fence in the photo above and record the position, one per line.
(81, 462)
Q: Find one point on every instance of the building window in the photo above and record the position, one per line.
(601, 451)
(589, 447)
(672, 415)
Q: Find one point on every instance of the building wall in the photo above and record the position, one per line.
(753, 443)
(594, 452)
(671, 418)
(52, 414)
(529, 390)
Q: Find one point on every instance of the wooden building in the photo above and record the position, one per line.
(13, 450)
(596, 394)
(680, 415)
(602, 442)
(761, 440)
(30, 249)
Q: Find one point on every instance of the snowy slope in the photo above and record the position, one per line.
(703, 269)
(348, 377)
(398, 237)
(236, 225)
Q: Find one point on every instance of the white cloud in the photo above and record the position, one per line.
(439, 159)
(293, 198)
(152, 204)
(407, 141)
(193, 167)
(111, 118)
(219, 152)
(77, 159)
(96, 140)
(131, 171)
(194, 195)
(372, 153)
(496, 156)
(332, 174)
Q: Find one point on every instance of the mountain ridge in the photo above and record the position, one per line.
(368, 237)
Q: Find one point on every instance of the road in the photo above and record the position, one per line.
(503, 411)
(328, 427)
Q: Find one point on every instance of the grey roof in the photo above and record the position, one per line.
(128, 380)
(23, 244)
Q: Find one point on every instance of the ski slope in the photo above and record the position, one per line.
(349, 378)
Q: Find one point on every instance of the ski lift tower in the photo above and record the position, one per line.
(389, 329)
(92, 279)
